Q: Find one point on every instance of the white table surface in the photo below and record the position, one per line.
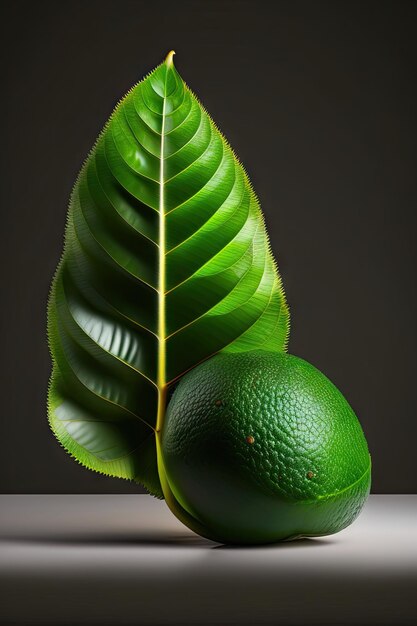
(124, 559)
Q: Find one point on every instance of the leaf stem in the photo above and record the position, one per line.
(173, 502)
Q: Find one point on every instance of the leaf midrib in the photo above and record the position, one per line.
(161, 382)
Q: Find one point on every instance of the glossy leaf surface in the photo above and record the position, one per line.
(166, 262)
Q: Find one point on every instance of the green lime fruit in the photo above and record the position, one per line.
(260, 447)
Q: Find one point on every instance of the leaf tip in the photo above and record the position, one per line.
(169, 59)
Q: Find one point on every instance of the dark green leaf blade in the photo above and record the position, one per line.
(166, 262)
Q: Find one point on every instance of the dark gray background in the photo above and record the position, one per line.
(319, 101)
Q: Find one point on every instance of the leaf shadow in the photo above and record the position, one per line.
(140, 538)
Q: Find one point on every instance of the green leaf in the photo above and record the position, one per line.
(166, 262)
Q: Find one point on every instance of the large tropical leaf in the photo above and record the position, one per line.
(166, 262)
